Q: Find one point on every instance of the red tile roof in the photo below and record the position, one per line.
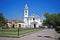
(17, 21)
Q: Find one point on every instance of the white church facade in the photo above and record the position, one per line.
(32, 21)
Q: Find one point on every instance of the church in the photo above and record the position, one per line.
(33, 21)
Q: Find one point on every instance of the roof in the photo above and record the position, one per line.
(17, 21)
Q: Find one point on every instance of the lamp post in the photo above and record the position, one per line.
(18, 31)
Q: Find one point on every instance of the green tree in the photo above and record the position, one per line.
(58, 19)
(48, 17)
(52, 19)
(2, 20)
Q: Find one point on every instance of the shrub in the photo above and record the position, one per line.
(57, 28)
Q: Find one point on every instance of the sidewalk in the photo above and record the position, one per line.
(46, 34)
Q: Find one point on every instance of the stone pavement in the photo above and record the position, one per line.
(45, 34)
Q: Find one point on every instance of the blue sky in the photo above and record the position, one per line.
(14, 9)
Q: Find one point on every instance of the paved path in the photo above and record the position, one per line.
(41, 35)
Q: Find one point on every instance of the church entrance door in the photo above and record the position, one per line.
(34, 25)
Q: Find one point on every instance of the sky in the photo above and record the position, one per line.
(14, 9)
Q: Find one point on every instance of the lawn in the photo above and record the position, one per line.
(15, 31)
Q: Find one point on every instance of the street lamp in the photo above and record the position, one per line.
(18, 31)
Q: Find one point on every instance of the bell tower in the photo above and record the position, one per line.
(26, 13)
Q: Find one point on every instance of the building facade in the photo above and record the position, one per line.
(32, 21)
(14, 23)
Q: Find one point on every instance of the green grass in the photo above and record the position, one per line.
(15, 31)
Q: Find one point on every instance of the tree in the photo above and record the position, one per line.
(58, 19)
(48, 17)
(2, 20)
(52, 19)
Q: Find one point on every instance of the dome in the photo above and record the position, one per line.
(26, 7)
